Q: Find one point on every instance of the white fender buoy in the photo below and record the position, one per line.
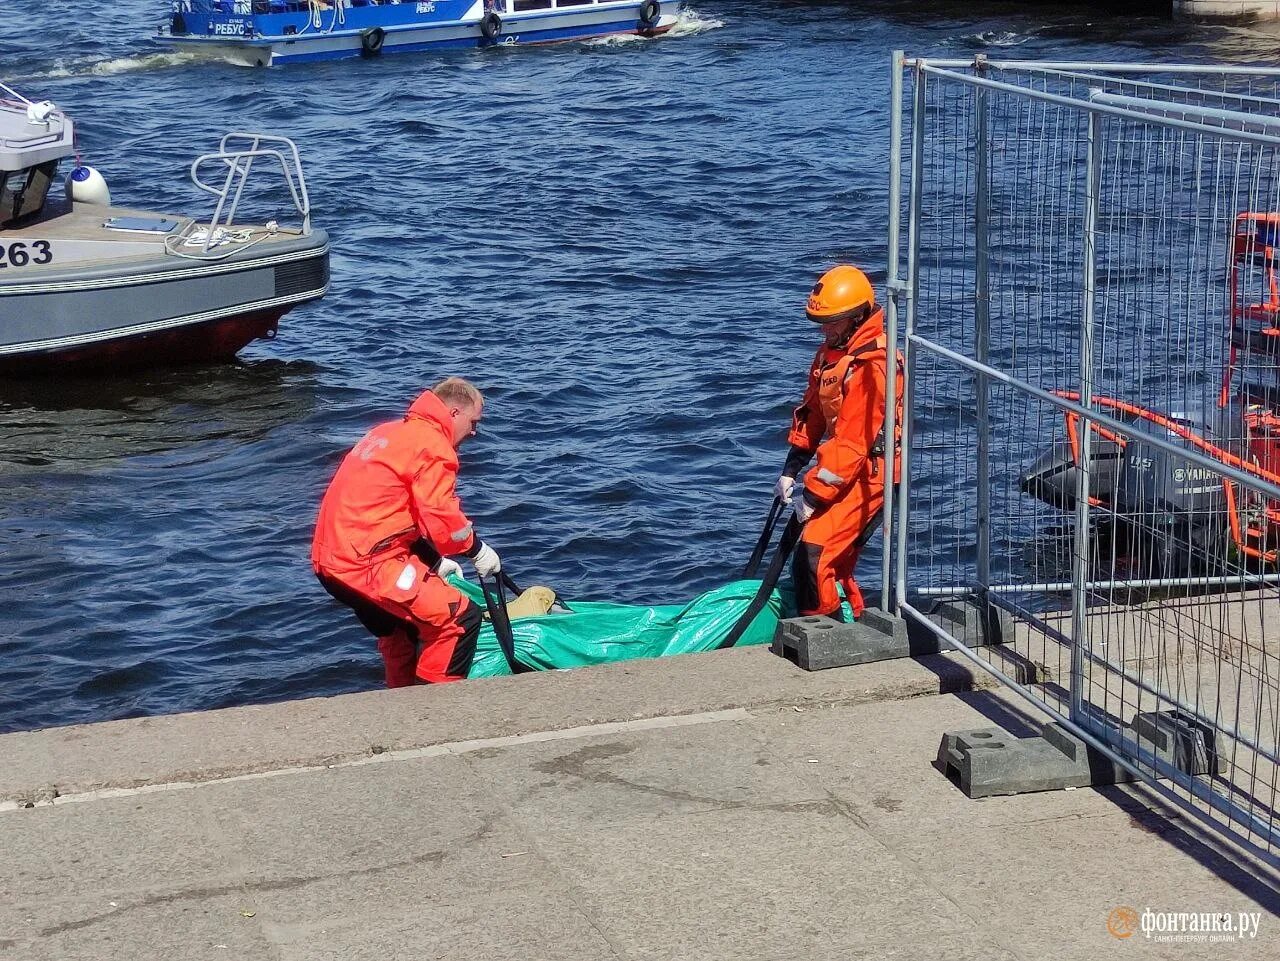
(86, 186)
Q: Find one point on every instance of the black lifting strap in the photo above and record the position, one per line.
(790, 534)
(495, 600)
(766, 535)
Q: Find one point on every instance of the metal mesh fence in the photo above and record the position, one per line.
(1093, 313)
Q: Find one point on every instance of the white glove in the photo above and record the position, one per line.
(782, 490)
(448, 568)
(804, 510)
(486, 562)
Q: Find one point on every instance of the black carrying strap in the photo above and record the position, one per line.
(495, 600)
(766, 535)
(790, 535)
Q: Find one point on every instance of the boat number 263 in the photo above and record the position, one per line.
(19, 254)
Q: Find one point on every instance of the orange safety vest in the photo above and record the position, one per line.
(842, 414)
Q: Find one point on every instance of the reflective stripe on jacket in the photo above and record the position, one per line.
(395, 486)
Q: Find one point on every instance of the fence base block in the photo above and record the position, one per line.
(970, 621)
(816, 643)
(990, 761)
(1178, 739)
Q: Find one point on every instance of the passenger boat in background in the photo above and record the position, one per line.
(265, 32)
(1177, 514)
(84, 284)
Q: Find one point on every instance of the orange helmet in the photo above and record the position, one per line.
(842, 293)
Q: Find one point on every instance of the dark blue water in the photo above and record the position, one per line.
(613, 239)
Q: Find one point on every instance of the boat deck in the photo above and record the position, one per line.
(62, 220)
(78, 237)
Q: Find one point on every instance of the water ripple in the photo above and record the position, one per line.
(613, 238)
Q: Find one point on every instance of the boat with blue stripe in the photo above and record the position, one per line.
(267, 32)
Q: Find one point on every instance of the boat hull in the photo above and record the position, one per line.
(260, 41)
(211, 341)
(156, 311)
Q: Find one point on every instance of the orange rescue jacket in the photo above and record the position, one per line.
(844, 403)
(395, 486)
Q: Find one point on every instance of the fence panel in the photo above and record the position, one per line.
(1092, 314)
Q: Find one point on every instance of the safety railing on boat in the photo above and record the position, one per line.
(11, 94)
(237, 152)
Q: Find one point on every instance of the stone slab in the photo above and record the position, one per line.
(796, 830)
(237, 741)
(200, 925)
(768, 880)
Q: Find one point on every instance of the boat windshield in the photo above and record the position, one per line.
(23, 192)
(246, 8)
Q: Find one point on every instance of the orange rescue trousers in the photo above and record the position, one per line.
(828, 551)
(427, 637)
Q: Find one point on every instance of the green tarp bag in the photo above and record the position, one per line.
(599, 633)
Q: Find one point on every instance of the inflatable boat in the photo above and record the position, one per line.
(1180, 515)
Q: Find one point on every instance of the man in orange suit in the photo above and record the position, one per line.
(841, 420)
(388, 524)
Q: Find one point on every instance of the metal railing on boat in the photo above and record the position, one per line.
(237, 152)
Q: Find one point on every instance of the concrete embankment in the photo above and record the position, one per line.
(1227, 11)
(716, 806)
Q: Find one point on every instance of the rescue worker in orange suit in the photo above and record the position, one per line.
(388, 524)
(841, 420)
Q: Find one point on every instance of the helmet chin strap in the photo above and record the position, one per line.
(852, 328)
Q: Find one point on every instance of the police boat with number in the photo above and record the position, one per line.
(265, 32)
(84, 284)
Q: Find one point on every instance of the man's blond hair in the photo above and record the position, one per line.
(459, 393)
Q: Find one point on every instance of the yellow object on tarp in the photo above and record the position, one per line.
(532, 602)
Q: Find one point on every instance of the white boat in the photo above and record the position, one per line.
(84, 284)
